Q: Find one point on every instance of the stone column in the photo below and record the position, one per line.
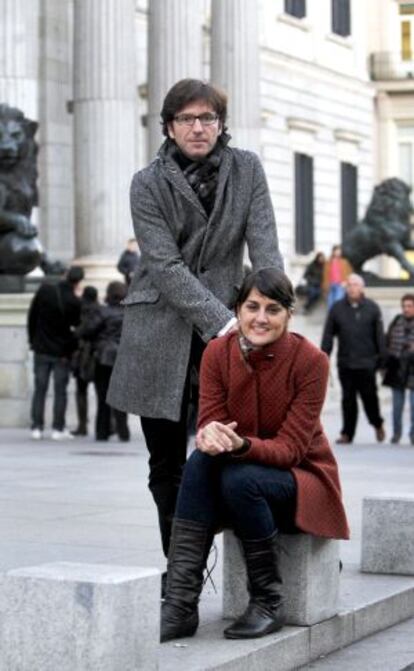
(235, 66)
(56, 129)
(174, 52)
(104, 130)
(19, 55)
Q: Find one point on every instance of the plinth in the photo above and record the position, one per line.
(15, 361)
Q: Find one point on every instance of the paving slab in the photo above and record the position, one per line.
(88, 502)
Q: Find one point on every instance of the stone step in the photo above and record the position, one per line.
(368, 604)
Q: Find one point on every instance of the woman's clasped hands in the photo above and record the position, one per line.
(216, 438)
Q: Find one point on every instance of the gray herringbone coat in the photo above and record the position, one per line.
(190, 269)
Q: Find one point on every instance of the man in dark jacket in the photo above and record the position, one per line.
(54, 311)
(356, 321)
(194, 208)
(128, 260)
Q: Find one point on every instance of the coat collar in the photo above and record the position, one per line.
(176, 177)
(268, 355)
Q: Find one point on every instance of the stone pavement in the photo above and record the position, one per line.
(88, 502)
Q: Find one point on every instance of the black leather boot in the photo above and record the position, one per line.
(189, 547)
(264, 614)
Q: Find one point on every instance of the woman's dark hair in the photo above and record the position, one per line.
(90, 294)
(272, 283)
(115, 292)
(187, 91)
(319, 257)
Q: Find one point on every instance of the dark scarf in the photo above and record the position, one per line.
(401, 337)
(400, 342)
(201, 175)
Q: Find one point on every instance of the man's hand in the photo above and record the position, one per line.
(216, 438)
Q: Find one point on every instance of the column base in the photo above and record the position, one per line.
(99, 271)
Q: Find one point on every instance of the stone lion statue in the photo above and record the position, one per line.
(385, 228)
(20, 250)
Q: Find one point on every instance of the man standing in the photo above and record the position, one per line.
(128, 261)
(357, 323)
(193, 208)
(54, 311)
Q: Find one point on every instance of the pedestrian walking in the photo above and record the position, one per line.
(53, 314)
(336, 271)
(194, 208)
(83, 360)
(356, 322)
(104, 331)
(399, 366)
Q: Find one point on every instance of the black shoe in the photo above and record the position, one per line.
(79, 432)
(264, 614)
(395, 439)
(343, 439)
(189, 547)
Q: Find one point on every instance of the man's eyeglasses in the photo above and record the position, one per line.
(206, 119)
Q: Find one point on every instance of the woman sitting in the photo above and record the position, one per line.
(263, 463)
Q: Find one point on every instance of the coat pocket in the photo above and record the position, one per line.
(148, 295)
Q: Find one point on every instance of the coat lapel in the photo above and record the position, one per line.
(176, 177)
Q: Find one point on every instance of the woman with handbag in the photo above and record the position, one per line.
(104, 331)
(399, 366)
(263, 463)
(83, 359)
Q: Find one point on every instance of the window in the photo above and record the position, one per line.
(295, 8)
(341, 17)
(349, 197)
(406, 153)
(304, 242)
(407, 30)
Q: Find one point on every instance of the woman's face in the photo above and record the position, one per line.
(262, 320)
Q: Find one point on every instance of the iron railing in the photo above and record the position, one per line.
(389, 65)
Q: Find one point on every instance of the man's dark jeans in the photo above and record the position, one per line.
(44, 366)
(253, 500)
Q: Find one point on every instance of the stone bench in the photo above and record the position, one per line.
(310, 571)
(387, 544)
(79, 617)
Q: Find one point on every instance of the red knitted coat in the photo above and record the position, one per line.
(276, 398)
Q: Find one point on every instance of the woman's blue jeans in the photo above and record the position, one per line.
(398, 401)
(252, 499)
(335, 293)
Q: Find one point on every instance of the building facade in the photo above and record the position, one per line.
(322, 90)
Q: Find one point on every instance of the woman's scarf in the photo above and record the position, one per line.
(401, 337)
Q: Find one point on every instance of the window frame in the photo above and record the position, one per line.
(304, 203)
(296, 8)
(349, 197)
(341, 23)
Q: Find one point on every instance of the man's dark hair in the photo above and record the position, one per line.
(75, 274)
(115, 292)
(407, 297)
(187, 91)
(272, 283)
